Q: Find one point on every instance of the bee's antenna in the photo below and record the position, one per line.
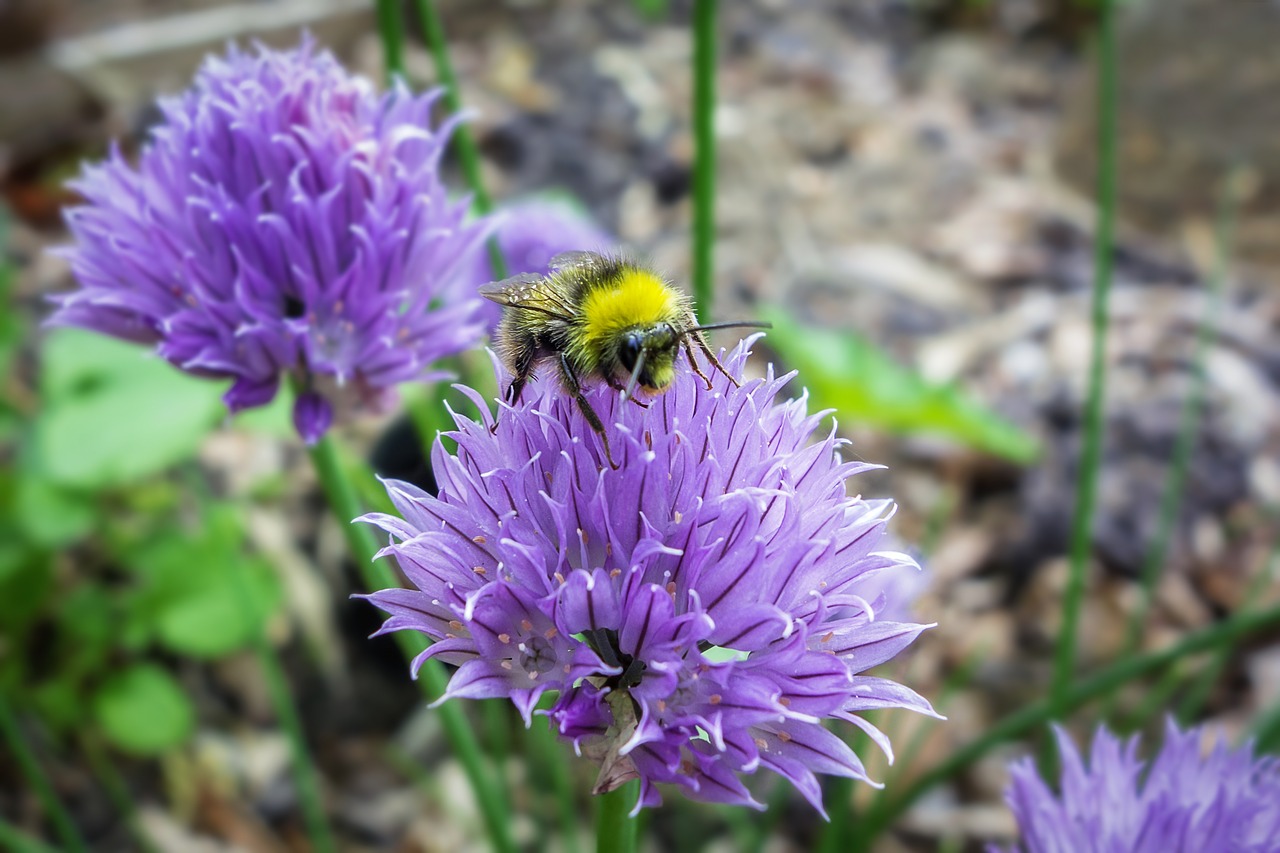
(635, 377)
(745, 324)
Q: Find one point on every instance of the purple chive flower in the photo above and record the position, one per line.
(699, 611)
(1220, 801)
(283, 218)
(531, 233)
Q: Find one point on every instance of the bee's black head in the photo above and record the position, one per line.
(659, 344)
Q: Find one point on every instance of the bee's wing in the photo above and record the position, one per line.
(567, 261)
(511, 292)
(528, 291)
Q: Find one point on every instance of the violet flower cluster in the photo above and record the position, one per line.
(698, 613)
(1186, 801)
(283, 219)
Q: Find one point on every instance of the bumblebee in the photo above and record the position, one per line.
(598, 317)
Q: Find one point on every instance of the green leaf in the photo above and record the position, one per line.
(863, 383)
(115, 413)
(221, 613)
(60, 703)
(200, 595)
(52, 516)
(26, 582)
(274, 419)
(651, 10)
(143, 710)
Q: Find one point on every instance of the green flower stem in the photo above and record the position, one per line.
(704, 159)
(1265, 730)
(497, 728)
(1030, 717)
(391, 32)
(615, 829)
(773, 813)
(117, 790)
(36, 778)
(1158, 698)
(1199, 692)
(746, 832)
(1091, 454)
(12, 838)
(464, 144)
(305, 773)
(363, 545)
(839, 801)
(956, 680)
(548, 752)
(1189, 419)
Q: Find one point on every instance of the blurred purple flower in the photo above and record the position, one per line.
(1225, 801)
(284, 218)
(699, 611)
(530, 233)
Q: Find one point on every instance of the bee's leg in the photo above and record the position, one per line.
(618, 386)
(715, 362)
(524, 371)
(571, 385)
(693, 362)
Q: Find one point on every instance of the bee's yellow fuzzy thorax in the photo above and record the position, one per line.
(635, 297)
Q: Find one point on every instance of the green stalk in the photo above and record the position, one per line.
(1158, 697)
(39, 782)
(1036, 714)
(704, 158)
(305, 773)
(117, 791)
(839, 797)
(1188, 423)
(615, 830)
(464, 144)
(549, 755)
(1265, 730)
(12, 838)
(497, 728)
(765, 823)
(363, 545)
(1199, 693)
(957, 679)
(391, 31)
(1091, 454)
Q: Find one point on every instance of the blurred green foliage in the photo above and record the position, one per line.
(862, 383)
(112, 413)
(108, 569)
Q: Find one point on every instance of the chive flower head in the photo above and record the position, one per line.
(1186, 799)
(283, 218)
(698, 612)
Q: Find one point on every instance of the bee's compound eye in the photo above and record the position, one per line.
(663, 336)
(629, 351)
